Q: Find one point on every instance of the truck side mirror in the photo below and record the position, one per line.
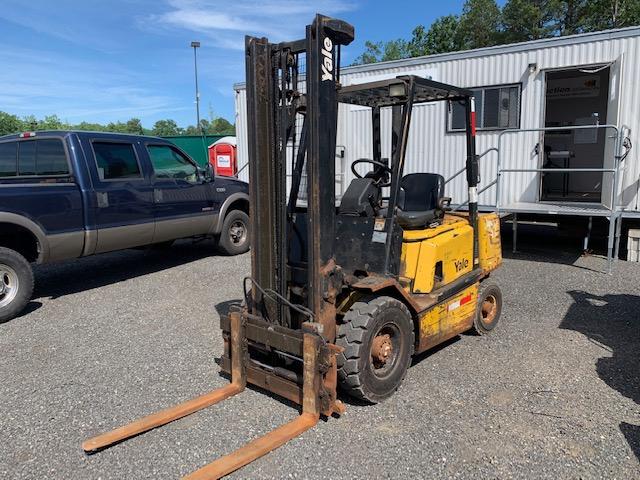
(208, 174)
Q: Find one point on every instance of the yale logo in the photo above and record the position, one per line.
(327, 60)
(461, 264)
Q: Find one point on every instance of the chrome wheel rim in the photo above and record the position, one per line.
(238, 232)
(9, 285)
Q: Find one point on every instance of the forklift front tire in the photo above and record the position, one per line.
(489, 308)
(378, 338)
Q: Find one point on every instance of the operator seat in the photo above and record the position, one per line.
(421, 201)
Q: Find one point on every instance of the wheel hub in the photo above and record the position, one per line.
(381, 349)
(489, 309)
(8, 285)
(237, 232)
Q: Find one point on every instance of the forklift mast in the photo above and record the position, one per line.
(275, 100)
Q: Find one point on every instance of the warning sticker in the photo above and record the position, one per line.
(379, 225)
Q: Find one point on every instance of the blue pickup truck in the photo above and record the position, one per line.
(69, 194)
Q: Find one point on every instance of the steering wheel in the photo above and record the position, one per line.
(378, 172)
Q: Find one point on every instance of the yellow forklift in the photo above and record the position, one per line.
(342, 292)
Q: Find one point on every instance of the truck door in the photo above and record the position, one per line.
(184, 204)
(124, 195)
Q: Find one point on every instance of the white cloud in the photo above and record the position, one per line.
(43, 83)
(226, 23)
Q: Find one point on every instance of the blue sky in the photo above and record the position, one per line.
(103, 61)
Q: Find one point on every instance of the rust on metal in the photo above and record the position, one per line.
(186, 408)
(281, 435)
(489, 309)
(376, 283)
(381, 349)
(255, 449)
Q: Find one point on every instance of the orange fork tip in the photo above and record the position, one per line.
(158, 419)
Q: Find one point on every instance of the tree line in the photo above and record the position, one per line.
(482, 23)
(13, 124)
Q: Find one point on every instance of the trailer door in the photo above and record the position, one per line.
(613, 107)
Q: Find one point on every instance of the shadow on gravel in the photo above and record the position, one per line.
(612, 322)
(60, 279)
(548, 244)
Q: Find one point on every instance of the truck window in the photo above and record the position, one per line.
(50, 157)
(116, 161)
(169, 163)
(8, 159)
(27, 158)
(33, 157)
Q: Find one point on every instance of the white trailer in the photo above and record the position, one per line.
(556, 118)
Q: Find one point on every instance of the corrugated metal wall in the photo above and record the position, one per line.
(433, 149)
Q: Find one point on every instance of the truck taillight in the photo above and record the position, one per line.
(27, 134)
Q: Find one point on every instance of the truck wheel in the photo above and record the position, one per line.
(377, 337)
(234, 238)
(16, 283)
(489, 308)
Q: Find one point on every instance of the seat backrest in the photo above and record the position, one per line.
(422, 191)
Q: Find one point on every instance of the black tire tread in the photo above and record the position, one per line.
(224, 243)
(25, 274)
(478, 328)
(350, 336)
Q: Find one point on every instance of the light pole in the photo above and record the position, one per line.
(195, 46)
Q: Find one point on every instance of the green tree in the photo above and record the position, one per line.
(166, 128)
(568, 16)
(222, 126)
(90, 127)
(479, 24)
(52, 122)
(606, 14)
(134, 126)
(524, 20)
(442, 36)
(383, 51)
(10, 124)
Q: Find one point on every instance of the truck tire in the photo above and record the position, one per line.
(234, 237)
(378, 339)
(16, 283)
(489, 308)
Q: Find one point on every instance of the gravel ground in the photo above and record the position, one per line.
(553, 393)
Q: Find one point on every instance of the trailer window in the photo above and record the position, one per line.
(497, 108)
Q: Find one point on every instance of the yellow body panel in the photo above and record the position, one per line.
(450, 244)
(449, 318)
(437, 256)
(489, 246)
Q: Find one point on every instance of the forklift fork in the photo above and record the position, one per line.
(312, 380)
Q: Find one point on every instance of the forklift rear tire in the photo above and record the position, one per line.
(234, 238)
(489, 308)
(378, 338)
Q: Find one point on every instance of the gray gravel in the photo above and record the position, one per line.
(553, 393)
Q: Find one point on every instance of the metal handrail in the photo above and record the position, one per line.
(613, 170)
(479, 192)
(464, 169)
